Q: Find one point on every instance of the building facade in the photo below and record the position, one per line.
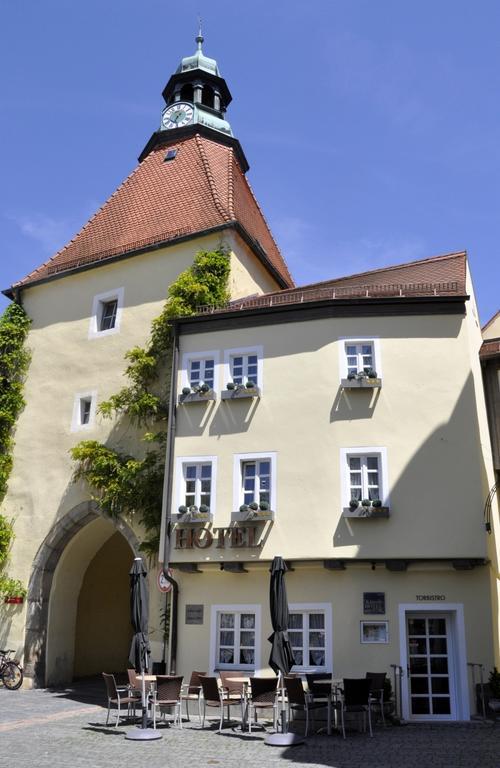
(334, 418)
(341, 426)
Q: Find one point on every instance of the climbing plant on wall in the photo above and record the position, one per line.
(14, 362)
(129, 485)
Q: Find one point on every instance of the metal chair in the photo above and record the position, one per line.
(235, 690)
(377, 690)
(215, 696)
(299, 700)
(192, 692)
(355, 698)
(263, 695)
(167, 695)
(118, 695)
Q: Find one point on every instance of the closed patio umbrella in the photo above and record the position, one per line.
(139, 649)
(281, 658)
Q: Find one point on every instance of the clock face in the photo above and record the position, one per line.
(178, 114)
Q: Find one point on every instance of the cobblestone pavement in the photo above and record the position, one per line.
(67, 729)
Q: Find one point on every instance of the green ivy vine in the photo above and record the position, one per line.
(123, 484)
(14, 362)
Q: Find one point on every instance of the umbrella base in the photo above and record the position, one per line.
(284, 739)
(143, 734)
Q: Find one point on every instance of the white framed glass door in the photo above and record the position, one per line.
(430, 667)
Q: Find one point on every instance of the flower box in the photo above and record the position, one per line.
(362, 383)
(252, 516)
(240, 393)
(13, 600)
(196, 397)
(362, 513)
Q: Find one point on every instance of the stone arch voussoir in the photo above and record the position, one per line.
(42, 574)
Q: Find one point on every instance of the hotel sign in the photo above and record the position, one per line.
(220, 538)
(373, 603)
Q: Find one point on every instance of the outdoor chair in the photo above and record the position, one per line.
(318, 691)
(300, 701)
(263, 695)
(167, 695)
(377, 680)
(192, 692)
(234, 690)
(215, 696)
(119, 696)
(355, 698)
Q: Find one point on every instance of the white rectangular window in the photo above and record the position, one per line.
(235, 637)
(310, 635)
(359, 357)
(254, 479)
(200, 368)
(244, 365)
(197, 484)
(195, 479)
(201, 371)
(106, 313)
(84, 410)
(243, 369)
(364, 475)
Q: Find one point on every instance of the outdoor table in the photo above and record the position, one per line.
(151, 679)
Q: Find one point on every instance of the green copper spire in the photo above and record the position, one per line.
(198, 60)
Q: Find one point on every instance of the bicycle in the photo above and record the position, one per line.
(11, 673)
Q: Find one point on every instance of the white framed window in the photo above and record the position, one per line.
(84, 410)
(243, 365)
(356, 354)
(235, 637)
(196, 481)
(310, 635)
(198, 367)
(364, 474)
(254, 479)
(106, 313)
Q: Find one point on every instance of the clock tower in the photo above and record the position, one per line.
(196, 99)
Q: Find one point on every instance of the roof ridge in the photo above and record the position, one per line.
(211, 181)
(230, 183)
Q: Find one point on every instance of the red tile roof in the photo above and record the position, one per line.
(202, 188)
(436, 276)
(490, 348)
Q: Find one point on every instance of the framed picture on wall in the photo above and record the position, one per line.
(374, 631)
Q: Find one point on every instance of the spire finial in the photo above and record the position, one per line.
(199, 37)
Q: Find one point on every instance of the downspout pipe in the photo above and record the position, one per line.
(164, 554)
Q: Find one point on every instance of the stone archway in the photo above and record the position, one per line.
(42, 577)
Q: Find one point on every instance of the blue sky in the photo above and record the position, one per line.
(371, 127)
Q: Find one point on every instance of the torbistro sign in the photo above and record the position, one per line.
(203, 538)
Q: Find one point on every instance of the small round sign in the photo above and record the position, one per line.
(163, 584)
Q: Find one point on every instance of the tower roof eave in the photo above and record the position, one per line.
(187, 77)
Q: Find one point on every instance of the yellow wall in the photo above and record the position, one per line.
(426, 415)
(66, 362)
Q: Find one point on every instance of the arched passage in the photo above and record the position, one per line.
(64, 570)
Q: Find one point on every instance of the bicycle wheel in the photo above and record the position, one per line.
(12, 676)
